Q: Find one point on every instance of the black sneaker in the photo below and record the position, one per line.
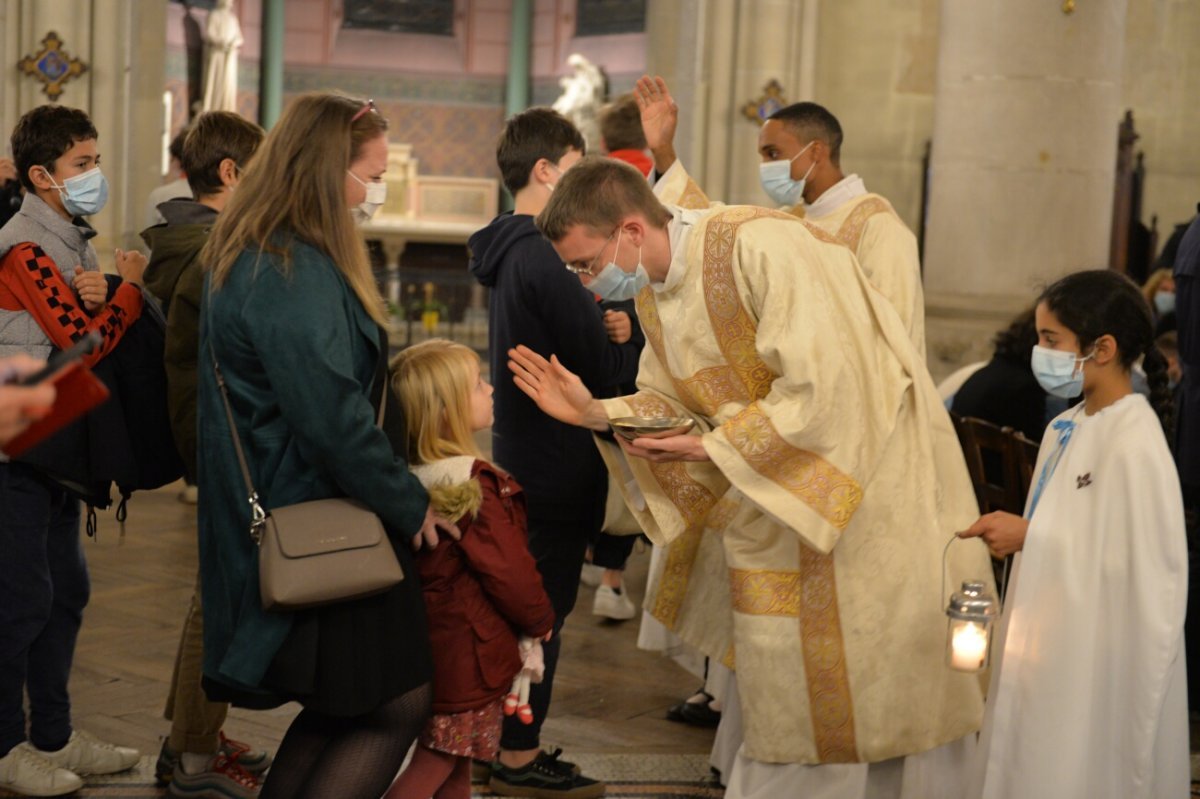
(546, 777)
(554, 761)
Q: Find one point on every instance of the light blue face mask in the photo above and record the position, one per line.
(614, 283)
(1164, 302)
(776, 179)
(83, 195)
(1059, 373)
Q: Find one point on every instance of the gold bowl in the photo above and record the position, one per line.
(631, 427)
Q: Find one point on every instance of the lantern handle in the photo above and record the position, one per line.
(999, 589)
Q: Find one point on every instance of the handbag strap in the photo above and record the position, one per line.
(258, 516)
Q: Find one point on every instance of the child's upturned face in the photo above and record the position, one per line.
(481, 402)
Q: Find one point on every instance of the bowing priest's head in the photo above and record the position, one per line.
(608, 227)
(809, 139)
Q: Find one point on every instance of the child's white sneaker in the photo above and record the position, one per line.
(25, 772)
(613, 603)
(85, 754)
(590, 574)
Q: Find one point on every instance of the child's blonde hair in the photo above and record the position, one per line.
(433, 381)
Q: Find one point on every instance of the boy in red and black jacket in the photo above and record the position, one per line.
(51, 293)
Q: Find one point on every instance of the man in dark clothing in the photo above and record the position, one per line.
(1187, 435)
(535, 301)
(196, 756)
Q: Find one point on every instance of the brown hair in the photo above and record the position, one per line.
(599, 192)
(621, 124)
(213, 137)
(529, 137)
(433, 383)
(296, 186)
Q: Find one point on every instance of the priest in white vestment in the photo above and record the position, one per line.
(800, 146)
(823, 465)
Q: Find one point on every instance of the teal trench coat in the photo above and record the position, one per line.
(298, 352)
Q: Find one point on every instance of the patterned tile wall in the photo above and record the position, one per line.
(451, 122)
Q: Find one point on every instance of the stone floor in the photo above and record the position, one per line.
(609, 705)
(609, 697)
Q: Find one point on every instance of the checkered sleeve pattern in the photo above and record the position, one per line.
(30, 281)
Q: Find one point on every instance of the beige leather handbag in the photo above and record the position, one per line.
(318, 552)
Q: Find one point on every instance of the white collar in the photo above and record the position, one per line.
(840, 193)
(678, 229)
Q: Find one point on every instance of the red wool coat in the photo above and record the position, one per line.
(480, 592)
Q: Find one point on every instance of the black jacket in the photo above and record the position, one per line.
(535, 301)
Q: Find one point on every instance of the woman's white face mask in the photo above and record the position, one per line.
(376, 197)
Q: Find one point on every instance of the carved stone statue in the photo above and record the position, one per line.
(222, 40)
(583, 93)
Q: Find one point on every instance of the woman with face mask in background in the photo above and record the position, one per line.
(293, 318)
(1088, 694)
(1159, 291)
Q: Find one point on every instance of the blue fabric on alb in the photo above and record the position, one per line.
(1065, 428)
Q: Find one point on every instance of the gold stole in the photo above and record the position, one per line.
(810, 594)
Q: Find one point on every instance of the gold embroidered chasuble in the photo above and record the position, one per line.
(835, 482)
(884, 246)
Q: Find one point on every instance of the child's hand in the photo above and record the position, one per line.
(92, 289)
(1004, 533)
(619, 328)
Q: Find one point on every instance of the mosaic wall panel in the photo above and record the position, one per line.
(451, 140)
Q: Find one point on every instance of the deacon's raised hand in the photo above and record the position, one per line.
(1004, 533)
(557, 390)
(663, 450)
(660, 116)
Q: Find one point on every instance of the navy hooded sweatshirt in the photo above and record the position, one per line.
(535, 301)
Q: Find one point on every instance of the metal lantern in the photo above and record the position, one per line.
(972, 613)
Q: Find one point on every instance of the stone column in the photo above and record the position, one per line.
(716, 56)
(123, 44)
(1025, 119)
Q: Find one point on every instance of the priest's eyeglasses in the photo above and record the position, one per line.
(590, 269)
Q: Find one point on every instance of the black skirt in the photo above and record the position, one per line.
(347, 658)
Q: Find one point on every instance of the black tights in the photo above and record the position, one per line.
(328, 756)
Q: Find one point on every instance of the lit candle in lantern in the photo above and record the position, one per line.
(969, 648)
(969, 633)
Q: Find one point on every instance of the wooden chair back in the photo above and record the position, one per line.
(995, 461)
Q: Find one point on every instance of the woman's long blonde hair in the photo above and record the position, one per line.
(296, 185)
(433, 381)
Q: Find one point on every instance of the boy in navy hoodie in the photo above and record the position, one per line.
(535, 301)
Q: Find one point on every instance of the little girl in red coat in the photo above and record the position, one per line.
(482, 591)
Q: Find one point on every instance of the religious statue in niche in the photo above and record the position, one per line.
(222, 40)
(584, 91)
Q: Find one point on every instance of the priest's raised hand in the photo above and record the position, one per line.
(555, 389)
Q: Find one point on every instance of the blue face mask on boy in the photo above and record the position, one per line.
(1059, 373)
(83, 195)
